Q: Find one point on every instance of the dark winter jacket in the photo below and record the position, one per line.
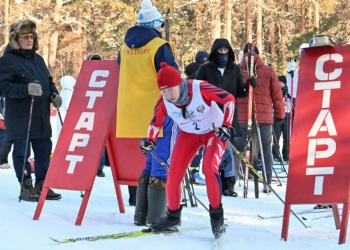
(267, 94)
(18, 69)
(139, 36)
(231, 81)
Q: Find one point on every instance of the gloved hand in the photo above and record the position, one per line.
(34, 88)
(252, 81)
(278, 121)
(223, 133)
(56, 100)
(147, 146)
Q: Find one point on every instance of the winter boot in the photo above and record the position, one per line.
(228, 185)
(195, 177)
(141, 208)
(217, 221)
(170, 221)
(28, 193)
(51, 195)
(132, 195)
(156, 200)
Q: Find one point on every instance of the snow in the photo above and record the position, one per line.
(245, 229)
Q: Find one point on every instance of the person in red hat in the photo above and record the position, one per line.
(193, 105)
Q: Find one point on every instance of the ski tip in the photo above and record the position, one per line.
(56, 240)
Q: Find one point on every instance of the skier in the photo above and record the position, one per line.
(193, 105)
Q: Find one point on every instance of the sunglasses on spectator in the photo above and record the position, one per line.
(27, 36)
(163, 24)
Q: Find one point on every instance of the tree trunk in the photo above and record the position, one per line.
(272, 35)
(228, 20)
(215, 18)
(259, 23)
(249, 22)
(54, 35)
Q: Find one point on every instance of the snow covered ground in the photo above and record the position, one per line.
(245, 229)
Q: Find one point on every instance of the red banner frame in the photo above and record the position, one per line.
(90, 124)
(317, 173)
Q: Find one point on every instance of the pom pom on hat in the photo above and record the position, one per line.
(202, 57)
(149, 15)
(168, 76)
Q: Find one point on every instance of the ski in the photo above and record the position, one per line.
(250, 68)
(133, 234)
(321, 217)
(309, 211)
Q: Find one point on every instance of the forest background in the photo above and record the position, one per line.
(70, 30)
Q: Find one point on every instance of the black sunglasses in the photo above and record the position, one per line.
(163, 24)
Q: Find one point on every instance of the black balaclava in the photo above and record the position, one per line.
(221, 59)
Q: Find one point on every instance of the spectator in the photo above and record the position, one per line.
(23, 76)
(3, 159)
(223, 72)
(282, 128)
(268, 99)
(184, 100)
(140, 56)
(67, 88)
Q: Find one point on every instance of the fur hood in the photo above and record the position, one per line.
(22, 27)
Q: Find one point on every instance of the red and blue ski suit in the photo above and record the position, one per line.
(196, 130)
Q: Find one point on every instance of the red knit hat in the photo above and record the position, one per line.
(168, 76)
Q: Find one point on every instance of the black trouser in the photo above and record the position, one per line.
(42, 150)
(283, 129)
(4, 152)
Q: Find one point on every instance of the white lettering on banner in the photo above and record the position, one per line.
(86, 119)
(73, 159)
(326, 84)
(93, 79)
(78, 140)
(92, 97)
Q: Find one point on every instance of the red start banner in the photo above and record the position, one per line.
(90, 125)
(318, 169)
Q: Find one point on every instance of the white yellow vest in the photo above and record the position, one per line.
(138, 91)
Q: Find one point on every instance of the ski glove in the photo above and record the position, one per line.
(252, 81)
(34, 88)
(147, 146)
(223, 133)
(278, 121)
(56, 100)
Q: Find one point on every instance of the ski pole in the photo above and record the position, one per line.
(167, 168)
(260, 177)
(26, 147)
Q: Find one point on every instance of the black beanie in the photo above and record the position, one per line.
(191, 68)
(282, 79)
(245, 50)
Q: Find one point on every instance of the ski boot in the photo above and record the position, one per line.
(217, 221)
